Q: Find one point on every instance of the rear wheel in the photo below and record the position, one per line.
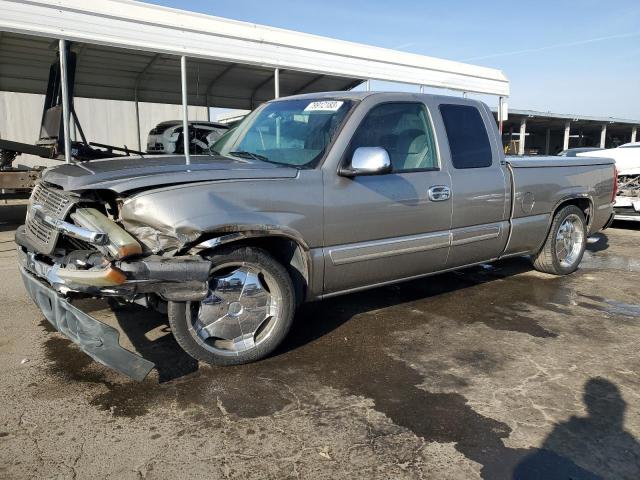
(565, 244)
(247, 312)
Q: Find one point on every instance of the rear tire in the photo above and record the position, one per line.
(246, 315)
(565, 244)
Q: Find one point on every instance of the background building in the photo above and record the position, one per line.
(547, 133)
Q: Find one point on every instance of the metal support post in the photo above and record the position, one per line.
(185, 110)
(603, 136)
(567, 132)
(66, 110)
(547, 143)
(523, 135)
(138, 120)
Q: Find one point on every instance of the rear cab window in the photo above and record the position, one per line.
(468, 139)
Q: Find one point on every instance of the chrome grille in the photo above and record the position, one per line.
(54, 203)
(39, 230)
(78, 244)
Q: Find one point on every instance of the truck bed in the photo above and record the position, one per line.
(551, 161)
(541, 183)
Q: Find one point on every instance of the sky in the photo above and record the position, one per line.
(562, 56)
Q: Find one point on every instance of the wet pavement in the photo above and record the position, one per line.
(493, 372)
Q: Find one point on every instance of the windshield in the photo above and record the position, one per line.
(287, 132)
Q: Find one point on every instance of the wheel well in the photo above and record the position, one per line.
(289, 253)
(582, 203)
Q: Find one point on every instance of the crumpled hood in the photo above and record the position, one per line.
(132, 173)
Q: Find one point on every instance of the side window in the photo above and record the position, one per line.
(404, 130)
(467, 135)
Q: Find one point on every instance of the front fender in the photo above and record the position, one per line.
(174, 219)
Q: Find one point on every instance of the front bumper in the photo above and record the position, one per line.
(49, 285)
(96, 339)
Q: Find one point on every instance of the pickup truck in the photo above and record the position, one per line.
(310, 197)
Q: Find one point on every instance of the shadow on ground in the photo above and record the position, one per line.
(598, 242)
(11, 216)
(601, 434)
(626, 225)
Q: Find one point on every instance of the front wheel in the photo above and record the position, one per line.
(247, 312)
(565, 244)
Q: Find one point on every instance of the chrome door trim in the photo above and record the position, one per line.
(463, 236)
(358, 252)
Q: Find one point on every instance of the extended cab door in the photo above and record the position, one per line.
(480, 187)
(385, 227)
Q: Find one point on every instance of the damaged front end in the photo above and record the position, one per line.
(73, 246)
(155, 228)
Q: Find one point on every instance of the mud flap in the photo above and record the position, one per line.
(610, 221)
(96, 339)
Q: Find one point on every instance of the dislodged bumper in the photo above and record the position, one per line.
(49, 283)
(96, 339)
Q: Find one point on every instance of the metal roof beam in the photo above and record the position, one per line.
(309, 83)
(263, 84)
(355, 84)
(145, 70)
(219, 77)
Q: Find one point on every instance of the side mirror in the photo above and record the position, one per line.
(368, 161)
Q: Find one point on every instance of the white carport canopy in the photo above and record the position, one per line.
(129, 50)
(118, 74)
(235, 60)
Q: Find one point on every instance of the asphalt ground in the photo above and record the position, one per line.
(493, 372)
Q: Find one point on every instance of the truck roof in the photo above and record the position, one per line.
(360, 95)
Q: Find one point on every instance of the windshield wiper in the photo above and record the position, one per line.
(257, 156)
(254, 156)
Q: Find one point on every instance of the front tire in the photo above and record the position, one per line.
(247, 313)
(564, 247)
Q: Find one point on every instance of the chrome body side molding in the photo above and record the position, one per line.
(359, 252)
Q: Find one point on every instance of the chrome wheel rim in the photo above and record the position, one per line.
(242, 307)
(569, 240)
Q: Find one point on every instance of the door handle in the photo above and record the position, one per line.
(439, 193)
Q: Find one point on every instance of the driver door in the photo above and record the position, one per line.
(385, 227)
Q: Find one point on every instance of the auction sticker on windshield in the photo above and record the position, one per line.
(324, 106)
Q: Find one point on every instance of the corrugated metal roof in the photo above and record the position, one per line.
(571, 117)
